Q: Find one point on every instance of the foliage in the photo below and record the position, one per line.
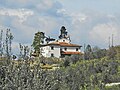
(98, 53)
(6, 44)
(66, 62)
(24, 52)
(88, 53)
(84, 75)
(94, 53)
(111, 52)
(38, 40)
(117, 48)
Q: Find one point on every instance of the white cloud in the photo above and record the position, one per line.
(48, 24)
(24, 32)
(22, 14)
(26, 22)
(79, 17)
(37, 5)
(62, 12)
(18, 1)
(49, 15)
(75, 17)
(101, 32)
(44, 5)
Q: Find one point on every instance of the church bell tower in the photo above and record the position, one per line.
(64, 34)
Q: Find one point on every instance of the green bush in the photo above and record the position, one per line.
(84, 75)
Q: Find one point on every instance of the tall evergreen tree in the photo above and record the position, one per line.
(38, 40)
(88, 53)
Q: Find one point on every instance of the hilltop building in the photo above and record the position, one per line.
(60, 47)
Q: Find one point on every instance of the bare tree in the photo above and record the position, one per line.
(8, 42)
(1, 43)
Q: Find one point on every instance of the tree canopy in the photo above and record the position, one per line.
(38, 40)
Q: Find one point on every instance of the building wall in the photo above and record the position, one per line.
(47, 51)
(55, 51)
(64, 40)
(70, 49)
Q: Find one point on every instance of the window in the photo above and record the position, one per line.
(76, 49)
(52, 48)
(65, 49)
(52, 55)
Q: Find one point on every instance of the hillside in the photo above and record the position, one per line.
(83, 75)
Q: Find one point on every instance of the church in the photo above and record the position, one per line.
(61, 47)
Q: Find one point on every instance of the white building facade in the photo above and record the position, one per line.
(61, 47)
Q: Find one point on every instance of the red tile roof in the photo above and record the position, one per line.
(70, 52)
(62, 44)
(68, 44)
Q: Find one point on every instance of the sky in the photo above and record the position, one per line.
(87, 21)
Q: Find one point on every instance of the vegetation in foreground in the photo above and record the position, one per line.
(89, 72)
(84, 75)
